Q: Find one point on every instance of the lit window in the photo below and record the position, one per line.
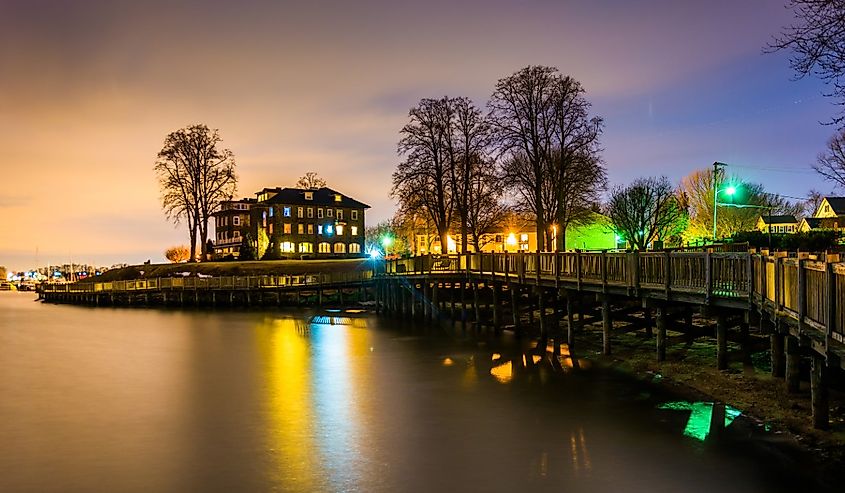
(309, 195)
(320, 213)
(337, 197)
(339, 248)
(300, 228)
(306, 247)
(354, 248)
(329, 229)
(310, 212)
(287, 229)
(339, 214)
(271, 211)
(340, 229)
(270, 232)
(236, 220)
(310, 229)
(319, 229)
(329, 212)
(287, 211)
(287, 247)
(299, 211)
(324, 248)
(523, 237)
(354, 215)
(354, 230)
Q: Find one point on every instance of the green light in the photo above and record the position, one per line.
(387, 241)
(698, 424)
(730, 190)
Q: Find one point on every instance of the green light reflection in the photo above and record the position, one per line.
(700, 420)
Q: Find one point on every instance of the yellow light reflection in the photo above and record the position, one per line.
(495, 356)
(536, 358)
(448, 362)
(503, 373)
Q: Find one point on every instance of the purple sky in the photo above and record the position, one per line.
(88, 91)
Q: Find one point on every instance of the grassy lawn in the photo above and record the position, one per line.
(247, 268)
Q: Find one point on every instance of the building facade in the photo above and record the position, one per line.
(299, 223)
(777, 224)
(231, 225)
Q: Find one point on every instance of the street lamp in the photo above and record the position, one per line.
(730, 190)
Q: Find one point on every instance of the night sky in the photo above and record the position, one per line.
(88, 91)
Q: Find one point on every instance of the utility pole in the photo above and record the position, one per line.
(716, 167)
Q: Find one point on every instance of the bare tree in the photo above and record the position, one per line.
(422, 181)
(311, 181)
(645, 211)
(817, 43)
(542, 125)
(195, 176)
(485, 206)
(811, 205)
(468, 139)
(831, 163)
(177, 254)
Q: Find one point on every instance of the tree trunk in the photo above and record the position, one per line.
(541, 235)
(464, 241)
(444, 241)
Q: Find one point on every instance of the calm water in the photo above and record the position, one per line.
(151, 400)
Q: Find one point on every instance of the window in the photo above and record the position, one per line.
(354, 248)
(310, 229)
(299, 212)
(826, 208)
(329, 212)
(271, 211)
(339, 248)
(339, 229)
(236, 220)
(354, 230)
(354, 215)
(287, 247)
(310, 212)
(287, 211)
(337, 197)
(300, 228)
(523, 237)
(319, 229)
(340, 214)
(306, 247)
(270, 230)
(287, 228)
(498, 238)
(309, 195)
(324, 248)
(320, 213)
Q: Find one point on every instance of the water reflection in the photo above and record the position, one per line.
(315, 373)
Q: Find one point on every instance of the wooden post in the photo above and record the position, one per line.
(721, 342)
(648, 322)
(541, 308)
(793, 365)
(777, 355)
(607, 323)
(570, 320)
(746, 342)
(452, 302)
(435, 302)
(515, 307)
(819, 393)
(661, 333)
(497, 307)
(426, 300)
(717, 421)
(476, 303)
(463, 306)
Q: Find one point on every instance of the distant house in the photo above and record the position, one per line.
(830, 215)
(520, 235)
(231, 224)
(777, 224)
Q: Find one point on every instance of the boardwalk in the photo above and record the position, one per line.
(800, 302)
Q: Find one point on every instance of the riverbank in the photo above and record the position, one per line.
(243, 268)
(690, 371)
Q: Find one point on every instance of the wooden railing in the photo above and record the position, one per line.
(212, 283)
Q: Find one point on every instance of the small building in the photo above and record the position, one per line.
(820, 223)
(231, 224)
(831, 207)
(777, 224)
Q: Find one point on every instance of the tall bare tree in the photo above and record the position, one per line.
(542, 126)
(831, 163)
(310, 181)
(485, 206)
(817, 42)
(422, 181)
(468, 139)
(645, 211)
(195, 176)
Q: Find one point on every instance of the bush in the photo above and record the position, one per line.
(810, 241)
(177, 254)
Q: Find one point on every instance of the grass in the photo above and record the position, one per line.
(245, 268)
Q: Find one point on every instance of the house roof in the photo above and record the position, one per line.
(837, 204)
(322, 196)
(822, 222)
(789, 218)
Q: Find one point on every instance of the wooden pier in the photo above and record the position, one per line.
(337, 288)
(798, 302)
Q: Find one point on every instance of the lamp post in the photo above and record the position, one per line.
(729, 190)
